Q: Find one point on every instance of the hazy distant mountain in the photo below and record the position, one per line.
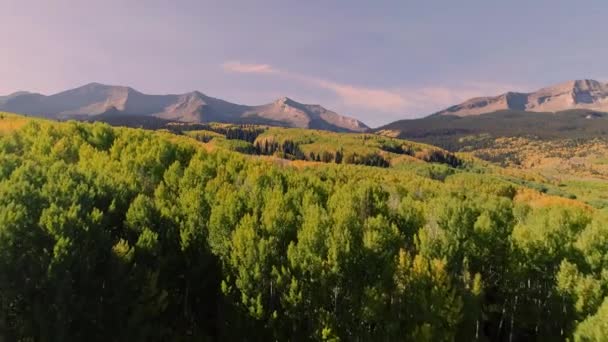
(577, 94)
(94, 99)
(304, 115)
(570, 110)
(5, 98)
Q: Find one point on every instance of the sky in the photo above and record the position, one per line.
(377, 61)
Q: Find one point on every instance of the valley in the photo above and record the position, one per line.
(193, 171)
(276, 225)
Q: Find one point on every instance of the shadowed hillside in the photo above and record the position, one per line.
(446, 131)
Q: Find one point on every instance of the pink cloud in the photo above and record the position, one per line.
(404, 101)
(236, 66)
(369, 98)
(380, 99)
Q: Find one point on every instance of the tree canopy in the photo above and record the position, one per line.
(131, 235)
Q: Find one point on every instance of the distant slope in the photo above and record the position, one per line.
(446, 131)
(570, 110)
(303, 116)
(4, 99)
(576, 94)
(95, 100)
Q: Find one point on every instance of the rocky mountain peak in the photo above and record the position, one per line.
(574, 94)
(93, 99)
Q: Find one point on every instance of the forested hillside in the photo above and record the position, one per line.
(569, 148)
(319, 146)
(119, 234)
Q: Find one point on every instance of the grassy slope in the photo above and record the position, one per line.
(10, 122)
(577, 167)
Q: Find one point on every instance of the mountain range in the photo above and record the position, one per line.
(98, 101)
(575, 109)
(511, 113)
(576, 94)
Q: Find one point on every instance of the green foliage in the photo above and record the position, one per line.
(362, 149)
(595, 327)
(131, 235)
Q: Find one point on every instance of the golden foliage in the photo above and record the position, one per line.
(537, 199)
(11, 122)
